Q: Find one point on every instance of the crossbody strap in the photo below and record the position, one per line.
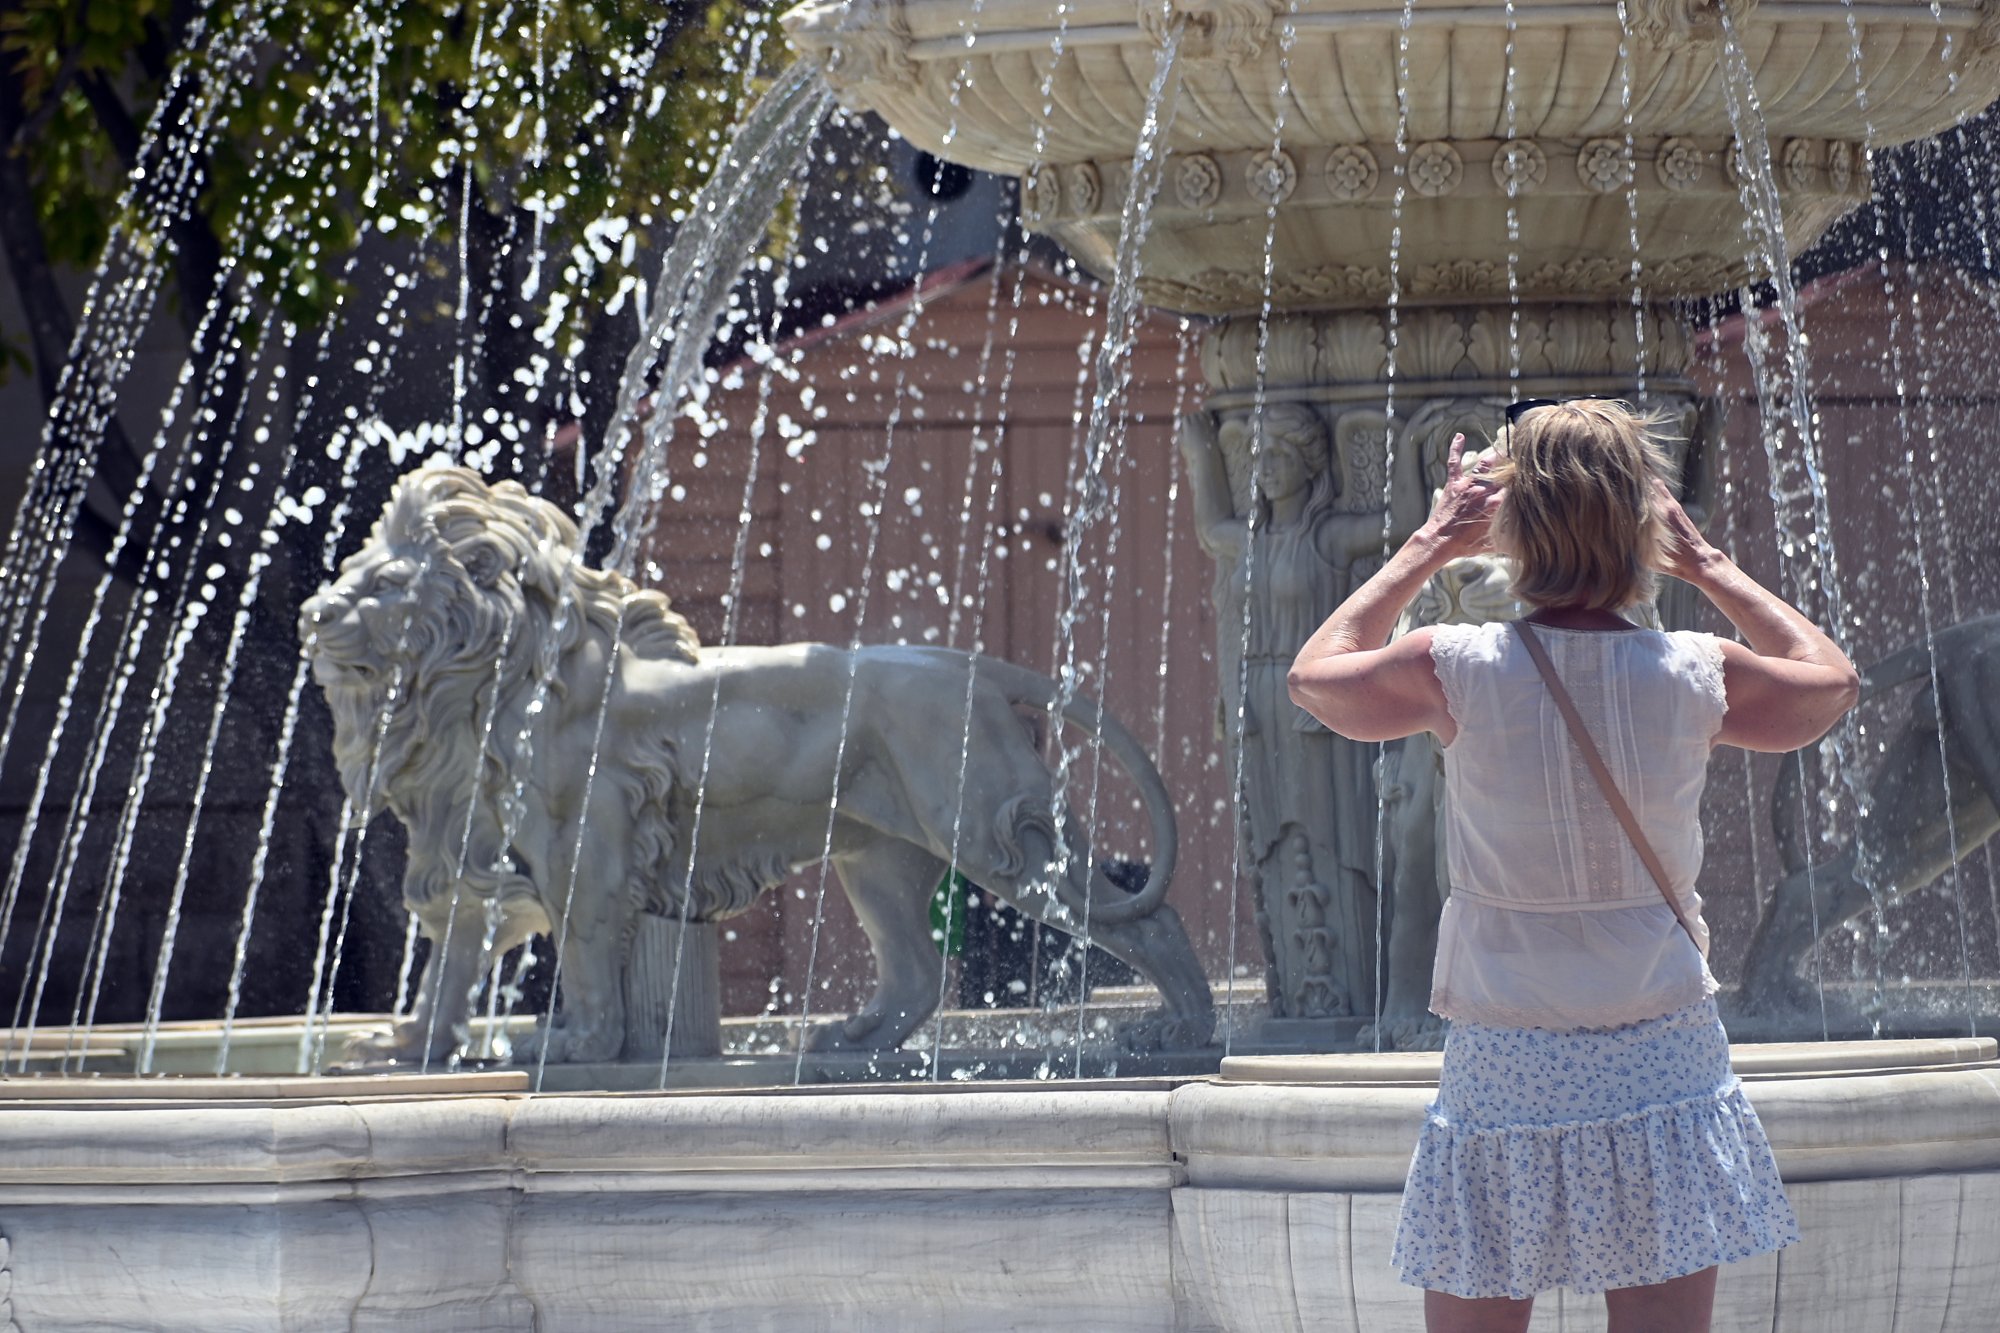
(1588, 748)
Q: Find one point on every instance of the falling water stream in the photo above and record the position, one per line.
(978, 450)
(1509, 130)
(1631, 192)
(1393, 340)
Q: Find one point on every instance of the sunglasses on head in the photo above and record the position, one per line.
(1516, 410)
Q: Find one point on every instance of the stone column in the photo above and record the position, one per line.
(664, 969)
(1301, 487)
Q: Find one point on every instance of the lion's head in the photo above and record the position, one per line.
(462, 591)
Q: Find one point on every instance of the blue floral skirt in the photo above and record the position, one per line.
(1599, 1158)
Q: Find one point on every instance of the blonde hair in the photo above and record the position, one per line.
(1578, 517)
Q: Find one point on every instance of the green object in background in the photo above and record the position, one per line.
(948, 914)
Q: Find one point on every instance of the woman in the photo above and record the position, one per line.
(1587, 1132)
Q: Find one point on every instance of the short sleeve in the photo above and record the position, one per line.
(1449, 651)
(1701, 659)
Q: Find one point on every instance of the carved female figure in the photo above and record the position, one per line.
(1284, 541)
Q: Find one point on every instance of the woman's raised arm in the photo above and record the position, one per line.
(1792, 683)
(1345, 676)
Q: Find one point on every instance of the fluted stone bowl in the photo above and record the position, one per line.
(1312, 123)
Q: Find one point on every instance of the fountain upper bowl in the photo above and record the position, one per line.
(1529, 152)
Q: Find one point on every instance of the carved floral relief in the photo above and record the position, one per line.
(1520, 165)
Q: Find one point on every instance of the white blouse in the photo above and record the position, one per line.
(1553, 921)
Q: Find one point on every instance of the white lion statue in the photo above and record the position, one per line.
(528, 717)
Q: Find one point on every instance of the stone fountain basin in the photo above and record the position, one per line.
(982, 84)
(965, 80)
(1262, 1199)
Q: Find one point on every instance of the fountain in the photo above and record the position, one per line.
(1395, 220)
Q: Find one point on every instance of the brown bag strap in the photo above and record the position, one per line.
(1588, 748)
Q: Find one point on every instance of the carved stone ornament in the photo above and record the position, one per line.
(1351, 172)
(1222, 291)
(1680, 164)
(1361, 441)
(1439, 344)
(1435, 168)
(1600, 274)
(1603, 165)
(1675, 24)
(451, 757)
(1197, 181)
(1085, 188)
(868, 48)
(1459, 277)
(1219, 291)
(1840, 166)
(1041, 194)
(1519, 165)
(1801, 164)
(1271, 176)
(1230, 31)
(1352, 347)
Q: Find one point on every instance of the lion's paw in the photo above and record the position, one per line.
(402, 1044)
(1160, 1030)
(527, 1048)
(567, 1044)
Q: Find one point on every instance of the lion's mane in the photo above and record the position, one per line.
(501, 597)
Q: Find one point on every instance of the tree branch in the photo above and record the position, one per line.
(198, 256)
(112, 117)
(66, 72)
(49, 323)
(51, 328)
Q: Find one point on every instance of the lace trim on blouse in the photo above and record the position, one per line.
(1707, 673)
(1448, 645)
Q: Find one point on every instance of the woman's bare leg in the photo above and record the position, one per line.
(1679, 1305)
(1457, 1314)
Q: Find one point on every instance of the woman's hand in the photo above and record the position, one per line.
(1792, 682)
(1687, 556)
(1349, 675)
(1461, 522)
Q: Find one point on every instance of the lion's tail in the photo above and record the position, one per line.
(1027, 688)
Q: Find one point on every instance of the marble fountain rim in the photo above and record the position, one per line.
(1156, 1133)
(1752, 1061)
(937, 28)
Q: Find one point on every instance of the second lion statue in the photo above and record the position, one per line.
(543, 729)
